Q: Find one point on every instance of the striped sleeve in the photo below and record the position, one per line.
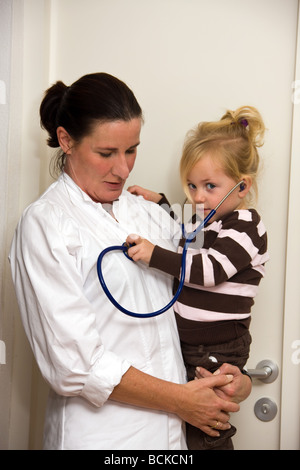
(237, 243)
(230, 246)
(222, 275)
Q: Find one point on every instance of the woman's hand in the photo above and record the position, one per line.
(205, 409)
(146, 193)
(194, 402)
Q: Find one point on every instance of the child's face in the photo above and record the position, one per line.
(208, 184)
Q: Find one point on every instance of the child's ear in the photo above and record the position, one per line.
(245, 186)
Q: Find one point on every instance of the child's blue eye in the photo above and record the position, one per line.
(210, 186)
(191, 186)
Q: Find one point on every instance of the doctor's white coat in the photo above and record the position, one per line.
(82, 343)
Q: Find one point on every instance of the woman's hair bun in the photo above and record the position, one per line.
(49, 111)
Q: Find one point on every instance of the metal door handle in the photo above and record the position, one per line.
(266, 371)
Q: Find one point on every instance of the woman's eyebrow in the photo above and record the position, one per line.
(115, 148)
(135, 145)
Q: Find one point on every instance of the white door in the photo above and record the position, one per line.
(270, 418)
(290, 415)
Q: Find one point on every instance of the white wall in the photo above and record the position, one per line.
(5, 322)
(15, 374)
(23, 46)
(186, 61)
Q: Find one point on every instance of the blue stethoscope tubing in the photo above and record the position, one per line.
(124, 248)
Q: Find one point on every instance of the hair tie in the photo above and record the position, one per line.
(244, 122)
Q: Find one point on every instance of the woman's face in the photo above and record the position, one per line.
(103, 160)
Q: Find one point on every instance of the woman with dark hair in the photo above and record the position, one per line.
(116, 382)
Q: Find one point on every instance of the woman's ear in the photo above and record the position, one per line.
(64, 139)
(245, 186)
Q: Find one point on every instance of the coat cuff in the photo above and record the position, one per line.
(107, 374)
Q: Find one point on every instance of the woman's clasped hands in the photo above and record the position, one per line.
(207, 410)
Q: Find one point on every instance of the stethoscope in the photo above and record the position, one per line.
(125, 247)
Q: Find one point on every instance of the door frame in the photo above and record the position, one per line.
(290, 404)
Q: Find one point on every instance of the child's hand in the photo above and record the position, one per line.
(239, 388)
(141, 250)
(146, 193)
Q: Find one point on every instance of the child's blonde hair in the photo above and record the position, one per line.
(233, 141)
